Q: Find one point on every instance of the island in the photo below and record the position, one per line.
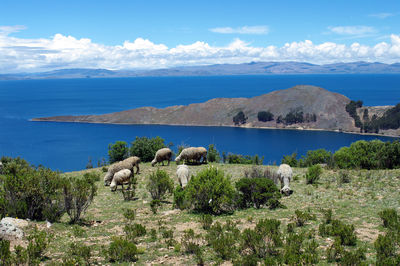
(301, 107)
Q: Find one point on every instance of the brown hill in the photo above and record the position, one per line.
(328, 107)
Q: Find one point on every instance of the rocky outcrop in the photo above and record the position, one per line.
(11, 228)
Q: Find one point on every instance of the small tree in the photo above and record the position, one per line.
(213, 154)
(265, 116)
(159, 184)
(117, 151)
(79, 194)
(258, 191)
(313, 174)
(145, 148)
(240, 118)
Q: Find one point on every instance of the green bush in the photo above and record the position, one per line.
(5, 253)
(79, 194)
(313, 174)
(292, 249)
(265, 116)
(301, 217)
(30, 192)
(320, 156)
(122, 250)
(344, 232)
(180, 198)
(38, 243)
(243, 159)
(256, 192)
(129, 194)
(210, 192)
(129, 214)
(213, 154)
(78, 254)
(389, 218)
(222, 239)
(337, 253)
(190, 242)
(240, 118)
(145, 148)
(206, 221)
(159, 184)
(133, 231)
(256, 171)
(118, 151)
(290, 160)
(386, 250)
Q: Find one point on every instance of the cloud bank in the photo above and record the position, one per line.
(60, 51)
(257, 30)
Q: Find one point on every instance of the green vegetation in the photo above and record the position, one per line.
(213, 154)
(265, 116)
(296, 116)
(240, 118)
(390, 120)
(117, 151)
(351, 108)
(313, 174)
(159, 184)
(243, 159)
(145, 147)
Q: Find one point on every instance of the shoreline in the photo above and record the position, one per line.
(231, 126)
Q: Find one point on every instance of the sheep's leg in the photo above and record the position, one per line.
(137, 169)
(168, 162)
(162, 163)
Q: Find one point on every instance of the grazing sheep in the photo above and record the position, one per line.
(128, 163)
(121, 177)
(134, 160)
(202, 152)
(192, 154)
(183, 175)
(285, 175)
(162, 155)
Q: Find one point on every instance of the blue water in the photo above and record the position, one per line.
(68, 146)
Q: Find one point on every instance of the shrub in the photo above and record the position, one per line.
(213, 154)
(206, 221)
(180, 198)
(337, 253)
(344, 177)
(292, 249)
(79, 194)
(255, 171)
(78, 254)
(117, 151)
(210, 192)
(290, 160)
(38, 243)
(246, 159)
(129, 214)
(300, 217)
(313, 174)
(345, 233)
(159, 184)
(320, 156)
(255, 192)
(222, 239)
(5, 253)
(129, 194)
(389, 218)
(133, 231)
(30, 192)
(154, 204)
(265, 116)
(385, 247)
(190, 242)
(122, 250)
(145, 148)
(239, 118)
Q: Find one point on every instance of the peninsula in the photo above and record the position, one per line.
(299, 107)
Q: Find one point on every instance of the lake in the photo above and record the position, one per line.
(68, 146)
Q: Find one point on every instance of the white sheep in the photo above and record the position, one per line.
(128, 163)
(162, 155)
(121, 177)
(192, 154)
(285, 176)
(183, 175)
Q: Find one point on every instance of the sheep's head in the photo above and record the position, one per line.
(107, 179)
(286, 191)
(113, 186)
(153, 162)
(177, 159)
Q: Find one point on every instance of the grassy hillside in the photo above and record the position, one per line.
(357, 203)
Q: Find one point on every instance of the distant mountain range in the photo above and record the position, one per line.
(253, 68)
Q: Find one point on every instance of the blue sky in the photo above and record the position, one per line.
(43, 35)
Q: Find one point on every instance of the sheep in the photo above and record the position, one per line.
(128, 163)
(192, 154)
(134, 160)
(121, 177)
(162, 155)
(183, 175)
(202, 153)
(285, 175)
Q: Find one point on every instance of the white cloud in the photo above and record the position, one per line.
(60, 51)
(258, 30)
(5, 30)
(353, 30)
(381, 15)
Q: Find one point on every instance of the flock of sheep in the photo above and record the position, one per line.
(120, 173)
